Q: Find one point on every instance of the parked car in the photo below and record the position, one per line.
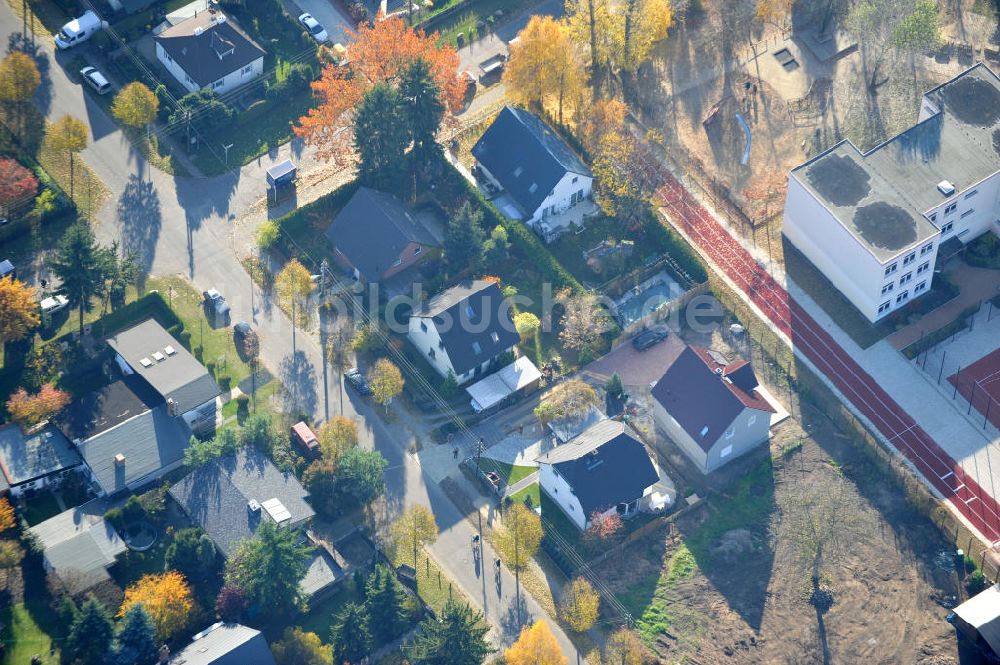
(316, 31)
(54, 304)
(356, 380)
(95, 80)
(216, 306)
(305, 440)
(649, 339)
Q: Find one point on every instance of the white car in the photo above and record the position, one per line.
(54, 304)
(96, 80)
(315, 29)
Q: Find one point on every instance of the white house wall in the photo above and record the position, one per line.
(980, 205)
(559, 491)
(747, 431)
(562, 194)
(429, 340)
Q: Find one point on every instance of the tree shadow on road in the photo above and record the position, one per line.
(139, 219)
(509, 620)
(200, 198)
(298, 378)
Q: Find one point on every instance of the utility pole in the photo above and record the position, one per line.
(479, 458)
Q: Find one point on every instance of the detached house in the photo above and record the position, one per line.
(540, 174)
(711, 408)
(209, 50)
(375, 236)
(224, 644)
(602, 470)
(464, 330)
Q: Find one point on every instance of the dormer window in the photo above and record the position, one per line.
(469, 311)
(423, 326)
(704, 431)
(495, 337)
(518, 171)
(477, 348)
(533, 188)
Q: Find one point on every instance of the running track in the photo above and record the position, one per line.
(809, 338)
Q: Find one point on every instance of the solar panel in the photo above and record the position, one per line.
(159, 357)
(146, 362)
(169, 350)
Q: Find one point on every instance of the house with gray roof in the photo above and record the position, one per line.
(376, 236)
(464, 330)
(148, 351)
(34, 460)
(603, 470)
(713, 409)
(209, 50)
(232, 496)
(79, 545)
(225, 644)
(537, 170)
(876, 223)
(125, 434)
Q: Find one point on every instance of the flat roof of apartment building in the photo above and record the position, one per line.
(881, 196)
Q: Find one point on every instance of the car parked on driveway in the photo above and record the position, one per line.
(95, 80)
(316, 31)
(356, 380)
(216, 307)
(649, 339)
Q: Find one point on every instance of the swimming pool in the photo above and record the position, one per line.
(660, 291)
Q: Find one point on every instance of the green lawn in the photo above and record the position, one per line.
(465, 21)
(256, 132)
(210, 345)
(509, 472)
(41, 507)
(433, 585)
(532, 492)
(24, 638)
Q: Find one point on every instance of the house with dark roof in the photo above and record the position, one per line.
(464, 330)
(711, 408)
(603, 470)
(125, 434)
(151, 353)
(36, 459)
(79, 545)
(376, 236)
(877, 223)
(209, 50)
(225, 644)
(534, 166)
(232, 496)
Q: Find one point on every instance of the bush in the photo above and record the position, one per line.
(267, 234)
(296, 80)
(358, 12)
(976, 583)
(242, 402)
(984, 252)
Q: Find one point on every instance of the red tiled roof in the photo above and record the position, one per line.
(742, 382)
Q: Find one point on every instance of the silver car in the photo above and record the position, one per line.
(316, 31)
(96, 80)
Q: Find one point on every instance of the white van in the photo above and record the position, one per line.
(79, 30)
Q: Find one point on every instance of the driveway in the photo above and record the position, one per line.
(636, 368)
(327, 13)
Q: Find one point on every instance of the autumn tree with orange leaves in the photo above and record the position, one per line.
(29, 410)
(167, 599)
(376, 54)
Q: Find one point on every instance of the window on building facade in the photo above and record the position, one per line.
(967, 213)
(218, 84)
(888, 288)
(905, 278)
(890, 269)
(431, 353)
(924, 267)
(934, 217)
(910, 258)
(947, 228)
(951, 208)
(884, 306)
(920, 287)
(969, 195)
(902, 296)
(926, 248)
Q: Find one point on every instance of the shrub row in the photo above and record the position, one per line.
(676, 247)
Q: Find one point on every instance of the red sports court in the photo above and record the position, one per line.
(979, 383)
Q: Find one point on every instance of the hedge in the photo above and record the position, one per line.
(520, 236)
(296, 226)
(677, 247)
(151, 305)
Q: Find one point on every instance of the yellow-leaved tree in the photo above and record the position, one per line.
(535, 646)
(18, 310)
(625, 647)
(19, 79)
(294, 284)
(386, 381)
(619, 34)
(579, 605)
(336, 436)
(774, 11)
(69, 136)
(7, 517)
(414, 529)
(135, 105)
(518, 540)
(167, 599)
(545, 66)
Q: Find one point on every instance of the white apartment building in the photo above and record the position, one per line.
(875, 223)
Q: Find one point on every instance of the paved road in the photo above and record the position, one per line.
(185, 226)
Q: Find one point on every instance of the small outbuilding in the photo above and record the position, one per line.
(80, 546)
(978, 619)
(519, 378)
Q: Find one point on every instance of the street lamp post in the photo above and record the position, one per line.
(226, 148)
(479, 457)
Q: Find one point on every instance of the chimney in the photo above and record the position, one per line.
(119, 460)
(171, 406)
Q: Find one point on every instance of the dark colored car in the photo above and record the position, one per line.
(241, 330)
(649, 339)
(356, 380)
